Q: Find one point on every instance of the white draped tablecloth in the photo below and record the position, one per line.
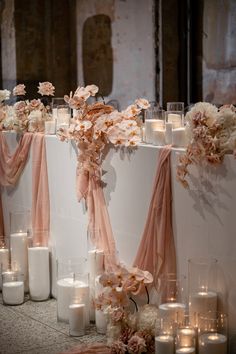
(204, 217)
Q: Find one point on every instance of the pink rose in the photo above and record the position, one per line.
(19, 90)
(46, 89)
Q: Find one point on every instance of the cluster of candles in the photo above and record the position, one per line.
(61, 115)
(23, 269)
(193, 326)
(165, 127)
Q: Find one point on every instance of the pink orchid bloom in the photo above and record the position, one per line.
(109, 279)
(142, 103)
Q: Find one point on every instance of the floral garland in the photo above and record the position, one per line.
(127, 332)
(212, 134)
(97, 124)
(25, 115)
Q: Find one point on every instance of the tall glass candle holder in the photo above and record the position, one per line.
(20, 229)
(67, 270)
(185, 339)
(202, 277)
(38, 260)
(63, 116)
(155, 126)
(172, 297)
(56, 101)
(164, 337)
(4, 256)
(213, 333)
(175, 123)
(12, 287)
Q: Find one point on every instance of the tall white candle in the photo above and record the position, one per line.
(164, 344)
(96, 267)
(200, 302)
(39, 280)
(187, 350)
(212, 343)
(179, 138)
(66, 288)
(19, 254)
(13, 292)
(4, 261)
(77, 319)
(100, 318)
(158, 137)
(171, 309)
(150, 126)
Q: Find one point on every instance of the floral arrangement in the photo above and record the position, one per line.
(212, 134)
(25, 115)
(127, 332)
(96, 124)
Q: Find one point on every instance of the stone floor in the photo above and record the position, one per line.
(33, 328)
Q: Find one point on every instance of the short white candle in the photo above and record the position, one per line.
(96, 267)
(187, 350)
(164, 344)
(158, 137)
(19, 254)
(170, 309)
(13, 292)
(39, 279)
(77, 319)
(50, 127)
(150, 126)
(179, 138)
(200, 302)
(168, 133)
(186, 336)
(212, 343)
(4, 261)
(175, 119)
(65, 289)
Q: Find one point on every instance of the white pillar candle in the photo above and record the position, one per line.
(164, 344)
(213, 343)
(66, 288)
(186, 337)
(19, 254)
(158, 137)
(77, 319)
(13, 292)
(171, 309)
(39, 281)
(201, 302)
(143, 132)
(175, 119)
(4, 261)
(168, 133)
(150, 126)
(179, 138)
(63, 120)
(187, 350)
(96, 267)
(54, 113)
(100, 317)
(53, 272)
(50, 127)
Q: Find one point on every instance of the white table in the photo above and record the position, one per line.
(204, 217)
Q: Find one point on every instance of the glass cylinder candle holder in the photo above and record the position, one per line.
(63, 116)
(38, 261)
(213, 333)
(20, 229)
(12, 287)
(186, 339)
(175, 121)
(66, 277)
(155, 126)
(56, 101)
(100, 317)
(202, 277)
(164, 337)
(4, 256)
(172, 297)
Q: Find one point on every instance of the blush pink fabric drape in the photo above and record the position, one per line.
(99, 225)
(156, 252)
(40, 191)
(11, 167)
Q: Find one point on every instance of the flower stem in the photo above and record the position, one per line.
(136, 307)
(148, 299)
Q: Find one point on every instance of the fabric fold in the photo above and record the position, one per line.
(156, 252)
(40, 191)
